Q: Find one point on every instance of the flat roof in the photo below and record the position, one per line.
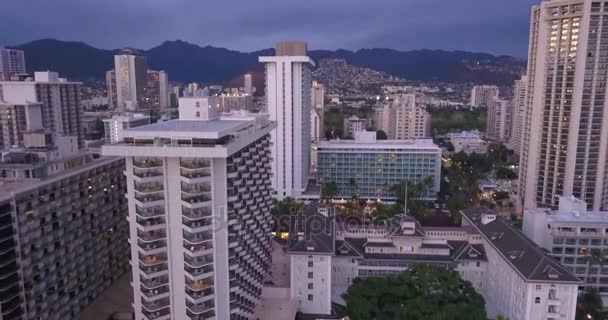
(415, 144)
(208, 129)
(526, 258)
(569, 217)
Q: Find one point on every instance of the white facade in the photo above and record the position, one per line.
(131, 72)
(565, 137)
(519, 110)
(199, 209)
(318, 96)
(163, 87)
(288, 94)
(483, 95)
(570, 234)
(317, 132)
(521, 280)
(403, 118)
(468, 142)
(248, 84)
(11, 62)
(197, 108)
(115, 126)
(353, 124)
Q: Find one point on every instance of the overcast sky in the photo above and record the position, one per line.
(494, 26)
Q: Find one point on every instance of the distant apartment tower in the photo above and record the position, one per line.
(317, 129)
(498, 120)
(565, 136)
(199, 191)
(115, 126)
(402, 118)
(288, 94)
(519, 110)
(318, 95)
(353, 124)
(11, 62)
(111, 89)
(131, 71)
(248, 83)
(47, 103)
(483, 95)
(233, 102)
(157, 91)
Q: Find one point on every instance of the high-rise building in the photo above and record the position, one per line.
(47, 103)
(570, 234)
(114, 127)
(402, 118)
(317, 131)
(199, 195)
(248, 83)
(156, 92)
(131, 72)
(111, 89)
(11, 62)
(483, 95)
(369, 168)
(318, 95)
(565, 137)
(192, 90)
(519, 110)
(498, 120)
(233, 102)
(64, 232)
(288, 94)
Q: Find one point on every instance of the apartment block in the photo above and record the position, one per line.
(402, 118)
(483, 95)
(369, 168)
(199, 191)
(498, 120)
(46, 103)
(12, 61)
(571, 233)
(288, 101)
(354, 124)
(114, 127)
(519, 110)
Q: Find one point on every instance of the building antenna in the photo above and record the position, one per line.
(405, 201)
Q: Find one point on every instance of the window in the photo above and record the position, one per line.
(310, 285)
(537, 300)
(310, 264)
(310, 297)
(198, 114)
(198, 104)
(310, 275)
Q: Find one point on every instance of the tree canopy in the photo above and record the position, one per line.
(289, 206)
(589, 305)
(422, 292)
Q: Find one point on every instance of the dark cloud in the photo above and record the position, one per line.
(496, 26)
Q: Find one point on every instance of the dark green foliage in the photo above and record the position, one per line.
(288, 206)
(506, 173)
(381, 135)
(445, 120)
(422, 292)
(589, 305)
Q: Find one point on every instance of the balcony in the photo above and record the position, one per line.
(149, 187)
(154, 282)
(200, 273)
(195, 188)
(194, 214)
(196, 176)
(197, 262)
(151, 224)
(162, 314)
(199, 249)
(155, 305)
(145, 163)
(153, 271)
(200, 296)
(199, 308)
(198, 225)
(199, 285)
(149, 200)
(152, 247)
(150, 212)
(194, 202)
(147, 175)
(152, 260)
(150, 235)
(157, 293)
(195, 164)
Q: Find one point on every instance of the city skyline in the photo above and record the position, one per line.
(469, 31)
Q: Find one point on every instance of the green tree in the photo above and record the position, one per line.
(506, 173)
(589, 305)
(381, 135)
(421, 292)
(288, 206)
(329, 190)
(415, 192)
(499, 196)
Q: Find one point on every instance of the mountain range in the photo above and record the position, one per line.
(186, 62)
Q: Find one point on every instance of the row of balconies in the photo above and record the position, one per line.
(149, 212)
(150, 247)
(151, 235)
(199, 308)
(195, 214)
(198, 261)
(156, 293)
(195, 163)
(162, 314)
(152, 306)
(153, 271)
(152, 283)
(148, 187)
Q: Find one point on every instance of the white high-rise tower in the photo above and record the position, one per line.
(565, 139)
(288, 94)
(131, 72)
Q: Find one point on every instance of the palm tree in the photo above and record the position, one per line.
(597, 258)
